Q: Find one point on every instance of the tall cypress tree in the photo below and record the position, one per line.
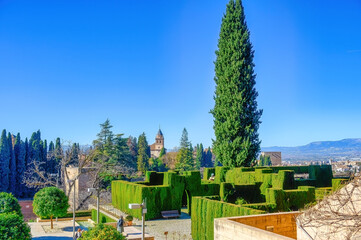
(27, 191)
(58, 154)
(4, 162)
(143, 153)
(199, 156)
(51, 158)
(12, 165)
(236, 117)
(19, 150)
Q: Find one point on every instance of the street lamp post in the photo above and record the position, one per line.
(69, 182)
(97, 190)
(142, 206)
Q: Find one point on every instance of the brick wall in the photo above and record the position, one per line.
(263, 227)
(27, 209)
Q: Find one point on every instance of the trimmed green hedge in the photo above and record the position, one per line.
(230, 193)
(290, 200)
(102, 217)
(320, 193)
(81, 213)
(220, 174)
(154, 178)
(206, 210)
(268, 207)
(338, 183)
(207, 172)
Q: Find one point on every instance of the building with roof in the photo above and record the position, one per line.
(156, 147)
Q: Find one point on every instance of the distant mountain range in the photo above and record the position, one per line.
(324, 150)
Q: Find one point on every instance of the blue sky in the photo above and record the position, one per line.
(67, 66)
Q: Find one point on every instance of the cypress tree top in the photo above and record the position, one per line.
(236, 117)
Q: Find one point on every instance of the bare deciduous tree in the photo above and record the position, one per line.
(337, 216)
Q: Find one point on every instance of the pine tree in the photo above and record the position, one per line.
(236, 118)
(143, 153)
(105, 136)
(45, 152)
(184, 159)
(12, 165)
(19, 150)
(5, 156)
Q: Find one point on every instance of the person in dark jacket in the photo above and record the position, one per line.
(120, 225)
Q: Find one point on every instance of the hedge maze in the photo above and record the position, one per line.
(234, 192)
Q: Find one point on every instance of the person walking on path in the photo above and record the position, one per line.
(120, 225)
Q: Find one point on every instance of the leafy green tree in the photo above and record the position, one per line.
(19, 151)
(102, 232)
(5, 156)
(12, 165)
(265, 160)
(9, 204)
(184, 159)
(12, 226)
(162, 152)
(236, 117)
(143, 153)
(50, 202)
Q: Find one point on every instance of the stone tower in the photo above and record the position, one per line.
(156, 147)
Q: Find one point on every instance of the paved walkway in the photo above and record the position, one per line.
(179, 228)
(63, 230)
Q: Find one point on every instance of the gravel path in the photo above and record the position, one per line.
(178, 229)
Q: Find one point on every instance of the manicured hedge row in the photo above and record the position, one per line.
(205, 210)
(320, 193)
(81, 213)
(230, 193)
(154, 178)
(220, 174)
(268, 207)
(102, 217)
(207, 172)
(290, 200)
(338, 183)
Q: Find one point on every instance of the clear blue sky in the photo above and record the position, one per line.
(66, 66)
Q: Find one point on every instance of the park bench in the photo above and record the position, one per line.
(170, 214)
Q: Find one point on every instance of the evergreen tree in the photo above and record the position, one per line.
(208, 158)
(19, 150)
(74, 155)
(162, 152)
(45, 152)
(58, 154)
(143, 153)
(5, 156)
(105, 136)
(184, 159)
(51, 158)
(12, 165)
(236, 118)
(36, 150)
(199, 161)
(26, 191)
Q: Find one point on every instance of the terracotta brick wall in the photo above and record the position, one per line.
(27, 209)
(279, 223)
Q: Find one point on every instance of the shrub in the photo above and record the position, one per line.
(102, 217)
(12, 226)
(129, 218)
(338, 183)
(240, 201)
(102, 232)
(205, 211)
(50, 202)
(9, 204)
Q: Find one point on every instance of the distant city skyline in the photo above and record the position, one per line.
(65, 67)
